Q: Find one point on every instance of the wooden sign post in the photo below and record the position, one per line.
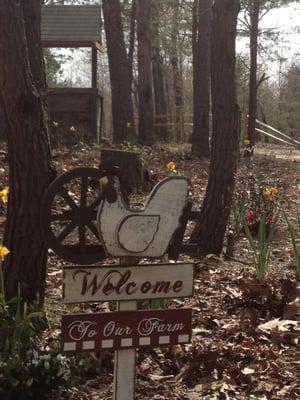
(124, 367)
(125, 360)
(131, 235)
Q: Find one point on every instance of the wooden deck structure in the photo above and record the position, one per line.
(74, 27)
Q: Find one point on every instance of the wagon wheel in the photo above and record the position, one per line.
(69, 211)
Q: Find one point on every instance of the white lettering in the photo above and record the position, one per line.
(111, 329)
(79, 329)
(155, 325)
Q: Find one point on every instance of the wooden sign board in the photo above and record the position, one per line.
(125, 329)
(118, 282)
(147, 232)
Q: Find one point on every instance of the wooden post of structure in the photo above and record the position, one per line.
(124, 371)
(94, 111)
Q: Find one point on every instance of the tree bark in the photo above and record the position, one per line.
(210, 230)
(177, 78)
(22, 89)
(132, 39)
(119, 70)
(146, 123)
(254, 8)
(160, 102)
(201, 76)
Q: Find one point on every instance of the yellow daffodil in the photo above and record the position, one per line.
(3, 252)
(4, 195)
(267, 194)
(171, 166)
(246, 142)
(72, 128)
(271, 193)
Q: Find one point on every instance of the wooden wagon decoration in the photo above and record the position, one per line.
(86, 207)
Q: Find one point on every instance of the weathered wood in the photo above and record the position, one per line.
(116, 282)
(129, 163)
(144, 233)
(69, 44)
(125, 329)
(73, 23)
(75, 107)
(124, 367)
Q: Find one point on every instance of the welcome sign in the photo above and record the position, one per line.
(125, 329)
(119, 282)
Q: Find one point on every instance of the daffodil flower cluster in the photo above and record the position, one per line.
(271, 193)
(4, 195)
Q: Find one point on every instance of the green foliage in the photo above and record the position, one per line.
(22, 379)
(253, 211)
(263, 197)
(24, 374)
(260, 246)
(296, 246)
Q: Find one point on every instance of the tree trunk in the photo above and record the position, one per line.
(252, 107)
(210, 230)
(119, 70)
(132, 39)
(201, 76)
(160, 102)
(145, 73)
(177, 78)
(22, 89)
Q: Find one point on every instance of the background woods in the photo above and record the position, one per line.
(204, 93)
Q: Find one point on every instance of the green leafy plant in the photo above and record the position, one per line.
(24, 373)
(34, 377)
(296, 246)
(260, 246)
(258, 197)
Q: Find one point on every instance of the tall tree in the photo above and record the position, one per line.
(177, 77)
(23, 106)
(160, 101)
(131, 46)
(119, 70)
(145, 72)
(256, 10)
(290, 100)
(201, 76)
(209, 232)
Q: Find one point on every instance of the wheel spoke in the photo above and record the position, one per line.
(65, 216)
(66, 231)
(65, 195)
(93, 229)
(82, 238)
(83, 193)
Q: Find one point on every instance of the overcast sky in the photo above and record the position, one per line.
(287, 21)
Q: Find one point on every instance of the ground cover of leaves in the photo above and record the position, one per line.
(245, 340)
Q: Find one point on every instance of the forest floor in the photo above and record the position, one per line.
(246, 341)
